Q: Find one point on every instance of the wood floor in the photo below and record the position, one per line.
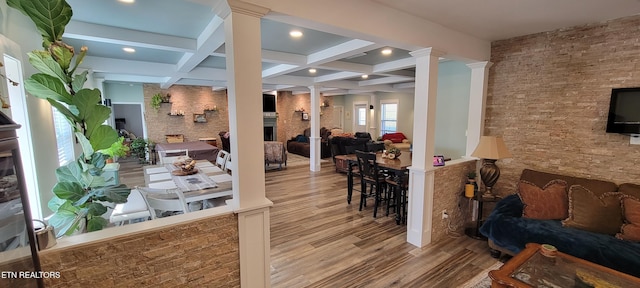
(318, 240)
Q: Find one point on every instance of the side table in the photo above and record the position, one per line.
(474, 231)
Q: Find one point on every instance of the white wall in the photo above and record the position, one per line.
(124, 92)
(21, 30)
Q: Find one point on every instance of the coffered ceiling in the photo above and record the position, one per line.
(182, 41)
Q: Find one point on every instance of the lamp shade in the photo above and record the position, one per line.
(491, 147)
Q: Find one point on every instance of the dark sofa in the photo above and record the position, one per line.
(359, 142)
(300, 144)
(509, 232)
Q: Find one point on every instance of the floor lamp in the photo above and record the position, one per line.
(490, 149)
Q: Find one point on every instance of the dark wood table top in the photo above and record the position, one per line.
(400, 163)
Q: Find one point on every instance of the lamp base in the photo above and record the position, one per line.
(489, 173)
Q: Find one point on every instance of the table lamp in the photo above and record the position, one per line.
(490, 149)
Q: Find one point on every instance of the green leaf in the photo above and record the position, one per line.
(102, 137)
(44, 62)
(63, 54)
(96, 209)
(96, 223)
(87, 101)
(72, 172)
(45, 86)
(71, 191)
(99, 160)
(72, 118)
(113, 193)
(55, 203)
(49, 16)
(79, 80)
(85, 144)
(97, 181)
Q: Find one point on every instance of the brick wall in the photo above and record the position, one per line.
(202, 253)
(290, 123)
(549, 96)
(447, 195)
(190, 99)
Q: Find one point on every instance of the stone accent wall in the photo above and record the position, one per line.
(549, 95)
(190, 99)
(290, 123)
(202, 253)
(448, 194)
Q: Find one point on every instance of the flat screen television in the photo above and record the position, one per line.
(268, 103)
(624, 111)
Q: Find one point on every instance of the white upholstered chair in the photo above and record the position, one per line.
(136, 207)
(169, 200)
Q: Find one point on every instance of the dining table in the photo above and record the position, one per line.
(209, 181)
(396, 166)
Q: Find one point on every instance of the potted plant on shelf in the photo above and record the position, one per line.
(81, 188)
(156, 100)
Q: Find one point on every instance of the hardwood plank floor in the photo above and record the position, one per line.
(318, 240)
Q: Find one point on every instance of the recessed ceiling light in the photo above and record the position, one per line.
(365, 76)
(295, 33)
(129, 50)
(312, 70)
(386, 51)
(127, 1)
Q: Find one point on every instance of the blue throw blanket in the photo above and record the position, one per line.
(509, 230)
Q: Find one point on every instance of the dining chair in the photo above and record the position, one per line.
(170, 156)
(371, 175)
(168, 201)
(228, 166)
(398, 184)
(355, 171)
(375, 147)
(221, 159)
(135, 208)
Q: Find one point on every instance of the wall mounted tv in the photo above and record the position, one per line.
(268, 103)
(624, 111)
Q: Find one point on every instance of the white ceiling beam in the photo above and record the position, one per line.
(347, 66)
(279, 70)
(341, 50)
(408, 85)
(211, 38)
(200, 82)
(336, 76)
(277, 57)
(122, 36)
(385, 80)
(394, 65)
(130, 78)
(128, 67)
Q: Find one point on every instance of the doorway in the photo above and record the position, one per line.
(360, 116)
(129, 117)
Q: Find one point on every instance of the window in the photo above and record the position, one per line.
(64, 138)
(362, 116)
(388, 117)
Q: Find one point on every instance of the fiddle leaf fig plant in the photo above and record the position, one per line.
(81, 189)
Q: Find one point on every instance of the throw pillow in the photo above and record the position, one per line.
(546, 203)
(590, 212)
(631, 211)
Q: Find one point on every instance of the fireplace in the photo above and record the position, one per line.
(270, 121)
(268, 134)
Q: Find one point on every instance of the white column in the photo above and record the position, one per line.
(244, 84)
(314, 140)
(477, 103)
(421, 171)
(372, 116)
